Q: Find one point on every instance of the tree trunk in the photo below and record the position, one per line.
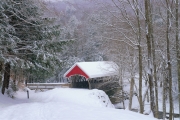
(140, 81)
(6, 78)
(1, 67)
(146, 94)
(141, 103)
(155, 78)
(177, 49)
(164, 98)
(148, 23)
(169, 76)
(131, 93)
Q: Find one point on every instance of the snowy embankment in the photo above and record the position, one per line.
(64, 104)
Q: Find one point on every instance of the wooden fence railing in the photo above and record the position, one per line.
(41, 86)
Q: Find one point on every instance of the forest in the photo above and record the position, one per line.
(41, 39)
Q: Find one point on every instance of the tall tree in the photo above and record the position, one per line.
(169, 76)
(149, 37)
(139, 35)
(177, 47)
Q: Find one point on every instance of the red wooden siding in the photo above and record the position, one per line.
(77, 71)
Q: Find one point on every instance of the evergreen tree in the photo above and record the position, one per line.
(27, 38)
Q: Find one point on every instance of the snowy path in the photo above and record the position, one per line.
(65, 104)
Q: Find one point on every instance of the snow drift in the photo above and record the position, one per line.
(64, 104)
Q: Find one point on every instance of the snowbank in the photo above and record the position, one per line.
(85, 97)
(64, 104)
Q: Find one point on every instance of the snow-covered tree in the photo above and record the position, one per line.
(28, 39)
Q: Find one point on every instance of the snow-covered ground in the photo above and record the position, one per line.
(64, 104)
(147, 109)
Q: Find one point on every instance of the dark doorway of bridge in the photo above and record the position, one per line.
(79, 82)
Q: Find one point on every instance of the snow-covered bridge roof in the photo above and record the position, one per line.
(93, 69)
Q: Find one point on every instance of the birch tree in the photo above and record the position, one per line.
(126, 29)
(136, 26)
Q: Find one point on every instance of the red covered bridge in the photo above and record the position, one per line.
(91, 70)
